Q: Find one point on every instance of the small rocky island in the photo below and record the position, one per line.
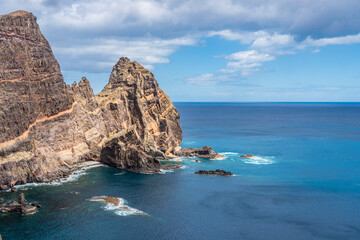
(204, 152)
(216, 172)
(20, 206)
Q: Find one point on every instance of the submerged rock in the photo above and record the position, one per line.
(119, 205)
(20, 206)
(216, 172)
(247, 156)
(171, 166)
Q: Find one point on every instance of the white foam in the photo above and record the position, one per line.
(122, 209)
(163, 171)
(228, 153)
(259, 160)
(178, 159)
(74, 176)
(196, 161)
(219, 158)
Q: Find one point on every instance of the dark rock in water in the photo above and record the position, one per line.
(20, 206)
(28, 209)
(171, 166)
(36, 205)
(14, 189)
(204, 152)
(21, 199)
(216, 172)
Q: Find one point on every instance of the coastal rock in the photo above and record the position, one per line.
(216, 172)
(204, 152)
(20, 206)
(48, 128)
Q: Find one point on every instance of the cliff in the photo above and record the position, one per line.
(47, 127)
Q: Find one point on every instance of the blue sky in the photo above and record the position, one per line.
(260, 50)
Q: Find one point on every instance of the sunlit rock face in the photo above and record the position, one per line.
(48, 127)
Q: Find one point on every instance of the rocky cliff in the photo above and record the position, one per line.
(48, 127)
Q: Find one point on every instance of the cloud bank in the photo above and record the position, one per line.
(90, 35)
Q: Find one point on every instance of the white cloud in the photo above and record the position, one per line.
(246, 62)
(101, 54)
(245, 37)
(276, 40)
(322, 42)
(266, 46)
(90, 35)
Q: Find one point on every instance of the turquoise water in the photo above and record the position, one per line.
(303, 184)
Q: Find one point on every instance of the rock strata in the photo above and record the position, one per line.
(48, 128)
(20, 206)
(216, 172)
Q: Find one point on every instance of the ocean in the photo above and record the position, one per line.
(304, 182)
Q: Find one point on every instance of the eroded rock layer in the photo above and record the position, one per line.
(48, 127)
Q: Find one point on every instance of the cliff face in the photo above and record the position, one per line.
(48, 127)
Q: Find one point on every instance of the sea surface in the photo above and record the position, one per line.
(304, 182)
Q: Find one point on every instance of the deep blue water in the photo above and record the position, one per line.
(305, 185)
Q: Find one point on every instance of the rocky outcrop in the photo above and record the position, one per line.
(204, 152)
(20, 206)
(48, 128)
(216, 172)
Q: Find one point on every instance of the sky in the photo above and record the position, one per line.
(211, 51)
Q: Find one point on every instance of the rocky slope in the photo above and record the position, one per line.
(48, 127)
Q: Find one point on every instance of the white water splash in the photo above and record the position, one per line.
(74, 176)
(228, 153)
(259, 160)
(163, 171)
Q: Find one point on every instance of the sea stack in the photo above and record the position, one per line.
(48, 127)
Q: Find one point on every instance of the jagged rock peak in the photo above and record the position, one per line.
(21, 13)
(28, 70)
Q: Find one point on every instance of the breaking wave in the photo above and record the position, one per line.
(74, 176)
(228, 153)
(259, 160)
